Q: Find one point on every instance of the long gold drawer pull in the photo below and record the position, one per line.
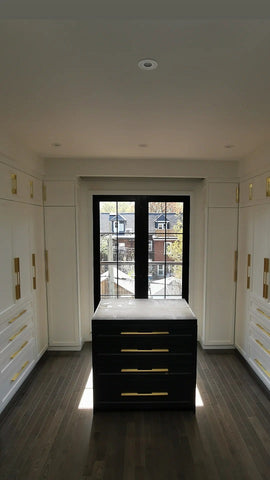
(262, 312)
(18, 278)
(263, 347)
(248, 270)
(140, 370)
(17, 333)
(46, 266)
(17, 316)
(19, 372)
(263, 329)
(262, 367)
(152, 350)
(136, 394)
(34, 278)
(18, 351)
(145, 333)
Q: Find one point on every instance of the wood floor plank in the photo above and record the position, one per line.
(45, 436)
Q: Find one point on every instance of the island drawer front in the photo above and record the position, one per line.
(172, 363)
(139, 388)
(127, 344)
(144, 327)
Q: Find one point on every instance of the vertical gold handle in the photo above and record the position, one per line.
(31, 186)
(248, 269)
(18, 278)
(237, 194)
(46, 266)
(250, 191)
(235, 265)
(14, 184)
(268, 187)
(34, 271)
(265, 277)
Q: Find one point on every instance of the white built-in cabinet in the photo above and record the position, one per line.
(253, 290)
(220, 264)
(61, 266)
(23, 317)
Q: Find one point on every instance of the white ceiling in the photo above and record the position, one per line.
(69, 75)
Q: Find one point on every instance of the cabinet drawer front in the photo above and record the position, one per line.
(144, 327)
(17, 371)
(141, 388)
(143, 344)
(125, 362)
(260, 354)
(12, 349)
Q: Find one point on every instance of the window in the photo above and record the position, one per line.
(141, 246)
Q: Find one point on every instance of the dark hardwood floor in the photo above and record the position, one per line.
(45, 436)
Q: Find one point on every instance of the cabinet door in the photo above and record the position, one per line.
(7, 281)
(244, 280)
(62, 277)
(220, 282)
(261, 249)
(38, 278)
(21, 225)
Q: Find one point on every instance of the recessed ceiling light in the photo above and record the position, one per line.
(56, 144)
(143, 145)
(147, 64)
(229, 146)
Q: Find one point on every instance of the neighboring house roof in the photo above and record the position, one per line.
(129, 218)
(173, 285)
(124, 280)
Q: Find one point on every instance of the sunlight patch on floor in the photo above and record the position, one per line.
(198, 398)
(86, 402)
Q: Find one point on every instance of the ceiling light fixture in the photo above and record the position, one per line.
(147, 64)
(229, 146)
(56, 144)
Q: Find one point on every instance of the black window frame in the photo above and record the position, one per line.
(141, 240)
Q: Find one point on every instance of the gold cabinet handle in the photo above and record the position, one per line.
(19, 372)
(18, 351)
(268, 187)
(18, 333)
(44, 193)
(262, 312)
(18, 278)
(250, 191)
(134, 350)
(237, 194)
(140, 370)
(262, 346)
(265, 277)
(14, 184)
(263, 329)
(260, 365)
(34, 271)
(46, 266)
(136, 394)
(145, 333)
(248, 270)
(17, 316)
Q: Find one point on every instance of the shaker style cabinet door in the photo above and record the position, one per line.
(261, 257)
(7, 277)
(61, 277)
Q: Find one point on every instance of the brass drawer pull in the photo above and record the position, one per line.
(34, 268)
(145, 333)
(263, 347)
(18, 333)
(19, 372)
(152, 350)
(18, 278)
(140, 370)
(17, 316)
(136, 394)
(263, 329)
(262, 312)
(248, 270)
(262, 367)
(18, 351)
(14, 184)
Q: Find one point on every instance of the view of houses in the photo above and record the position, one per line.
(117, 254)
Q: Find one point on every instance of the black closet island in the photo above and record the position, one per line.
(144, 354)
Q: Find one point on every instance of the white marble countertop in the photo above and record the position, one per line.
(143, 309)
